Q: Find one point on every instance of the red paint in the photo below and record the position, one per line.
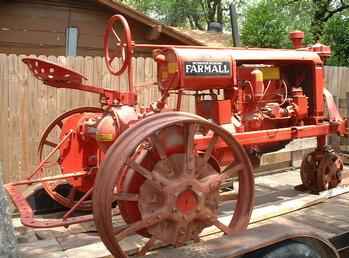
(79, 153)
(186, 201)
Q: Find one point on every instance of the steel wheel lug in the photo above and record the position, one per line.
(154, 199)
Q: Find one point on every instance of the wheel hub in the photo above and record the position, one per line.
(190, 198)
(187, 201)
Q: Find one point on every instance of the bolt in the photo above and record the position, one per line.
(214, 186)
(182, 231)
(154, 198)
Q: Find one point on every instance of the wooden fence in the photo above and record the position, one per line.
(337, 82)
(27, 106)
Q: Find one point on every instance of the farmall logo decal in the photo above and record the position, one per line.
(207, 68)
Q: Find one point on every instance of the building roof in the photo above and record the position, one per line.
(188, 37)
(208, 38)
(138, 16)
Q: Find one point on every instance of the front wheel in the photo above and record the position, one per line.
(163, 174)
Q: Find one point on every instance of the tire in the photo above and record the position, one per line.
(286, 249)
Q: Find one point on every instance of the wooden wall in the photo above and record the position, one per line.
(38, 27)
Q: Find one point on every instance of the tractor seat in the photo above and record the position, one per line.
(52, 74)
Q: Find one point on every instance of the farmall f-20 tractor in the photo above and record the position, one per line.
(162, 170)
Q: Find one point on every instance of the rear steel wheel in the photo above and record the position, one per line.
(166, 185)
(329, 174)
(321, 169)
(61, 191)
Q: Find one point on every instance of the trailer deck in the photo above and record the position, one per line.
(277, 203)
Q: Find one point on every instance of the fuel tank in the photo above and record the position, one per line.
(190, 68)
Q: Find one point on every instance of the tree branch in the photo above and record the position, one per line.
(330, 13)
(291, 2)
(202, 3)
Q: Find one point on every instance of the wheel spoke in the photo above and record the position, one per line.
(123, 53)
(51, 144)
(231, 170)
(228, 196)
(147, 246)
(190, 158)
(161, 151)
(142, 224)
(48, 164)
(131, 197)
(210, 147)
(140, 169)
(154, 177)
(158, 146)
(226, 230)
(116, 35)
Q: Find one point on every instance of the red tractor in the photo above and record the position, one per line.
(162, 170)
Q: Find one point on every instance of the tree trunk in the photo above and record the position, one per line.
(317, 23)
(196, 20)
(220, 13)
(214, 11)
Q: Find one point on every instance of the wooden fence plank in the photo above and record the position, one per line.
(139, 78)
(4, 119)
(13, 133)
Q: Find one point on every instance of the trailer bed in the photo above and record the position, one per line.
(277, 202)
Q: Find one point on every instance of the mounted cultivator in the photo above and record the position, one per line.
(162, 171)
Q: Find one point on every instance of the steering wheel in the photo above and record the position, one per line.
(124, 44)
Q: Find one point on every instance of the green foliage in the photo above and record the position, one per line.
(183, 13)
(263, 26)
(336, 35)
(268, 23)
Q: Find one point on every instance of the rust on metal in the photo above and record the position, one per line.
(178, 198)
